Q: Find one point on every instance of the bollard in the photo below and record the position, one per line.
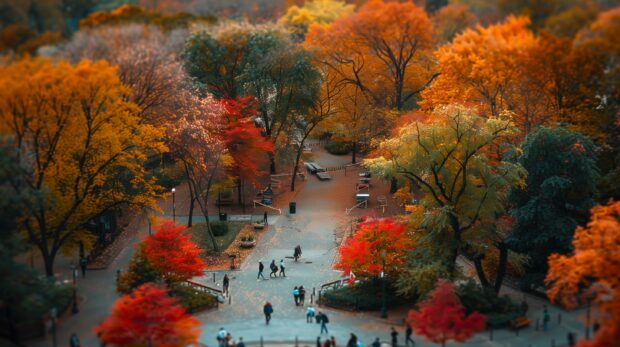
(214, 277)
(537, 324)
(559, 318)
(296, 342)
(261, 341)
(311, 298)
(313, 291)
(229, 299)
(318, 302)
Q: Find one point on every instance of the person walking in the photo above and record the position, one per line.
(302, 295)
(221, 337)
(296, 296)
(394, 335)
(274, 269)
(408, 333)
(377, 343)
(261, 267)
(352, 341)
(74, 341)
(240, 343)
(267, 310)
(225, 284)
(265, 218)
(309, 314)
(546, 318)
(297, 252)
(83, 265)
(323, 320)
(282, 273)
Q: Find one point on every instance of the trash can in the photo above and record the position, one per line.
(223, 216)
(292, 207)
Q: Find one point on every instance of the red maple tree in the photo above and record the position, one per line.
(148, 317)
(441, 316)
(243, 139)
(173, 254)
(361, 254)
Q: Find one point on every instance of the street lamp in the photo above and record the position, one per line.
(53, 314)
(74, 309)
(174, 217)
(383, 296)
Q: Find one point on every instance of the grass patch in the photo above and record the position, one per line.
(200, 236)
(192, 299)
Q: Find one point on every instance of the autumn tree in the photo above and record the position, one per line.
(441, 317)
(172, 254)
(590, 272)
(298, 19)
(458, 159)
(362, 253)
(452, 20)
(195, 140)
(83, 144)
(146, 62)
(561, 185)
(148, 317)
(383, 49)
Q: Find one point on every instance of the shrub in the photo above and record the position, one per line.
(193, 299)
(247, 237)
(338, 147)
(363, 296)
(498, 310)
(219, 228)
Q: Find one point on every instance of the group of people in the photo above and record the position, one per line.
(299, 295)
(224, 339)
(274, 269)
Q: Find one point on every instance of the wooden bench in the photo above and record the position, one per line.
(519, 322)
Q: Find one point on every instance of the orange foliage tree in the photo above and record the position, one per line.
(383, 49)
(361, 254)
(149, 317)
(591, 272)
(172, 254)
(441, 317)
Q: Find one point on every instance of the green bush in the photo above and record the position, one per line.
(193, 299)
(500, 310)
(219, 228)
(362, 296)
(338, 147)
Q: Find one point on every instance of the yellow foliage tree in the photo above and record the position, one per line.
(298, 19)
(82, 142)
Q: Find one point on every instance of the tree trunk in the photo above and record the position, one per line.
(353, 152)
(501, 266)
(192, 197)
(480, 272)
(272, 164)
(209, 231)
(456, 242)
(239, 191)
(48, 260)
(296, 167)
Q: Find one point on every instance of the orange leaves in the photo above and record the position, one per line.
(592, 272)
(149, 317)
(362, 253)
(172, 254)
(441, 317)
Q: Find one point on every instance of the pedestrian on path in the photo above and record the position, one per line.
(74, 341)
(546, 318)
(394, 335)
(240, 344)
(221, 337)
(309, 314)
(322, 317)
(302, 295)
(352, 341)
(377, 343)
(282, 273)
(267, 310)
(225, 284)
(297, 252)
(83, 265)
(265, 218)
(408, 333)
(261, 267)
(296, 296)
(274, 269)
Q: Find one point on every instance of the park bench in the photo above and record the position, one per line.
(519, 322)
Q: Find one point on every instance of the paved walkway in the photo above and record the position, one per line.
(320, 209)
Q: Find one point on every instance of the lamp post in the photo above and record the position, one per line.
(53, 314)
(174, 216)
(74, 308)
(383, 295)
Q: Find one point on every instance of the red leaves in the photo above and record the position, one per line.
(243, 139)
(362, 253)
(148, 317)
(172, 254)
(441, 316)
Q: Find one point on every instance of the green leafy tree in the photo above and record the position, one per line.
(457, 160)
(561, 185)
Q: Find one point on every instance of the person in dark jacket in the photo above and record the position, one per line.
(74, 341)
(408, 333)
(225, 284)
(274, 269)
(83, 265)
(302, 295)
(267, 310)
(394, 335)
(352, 341)
(261, 267)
